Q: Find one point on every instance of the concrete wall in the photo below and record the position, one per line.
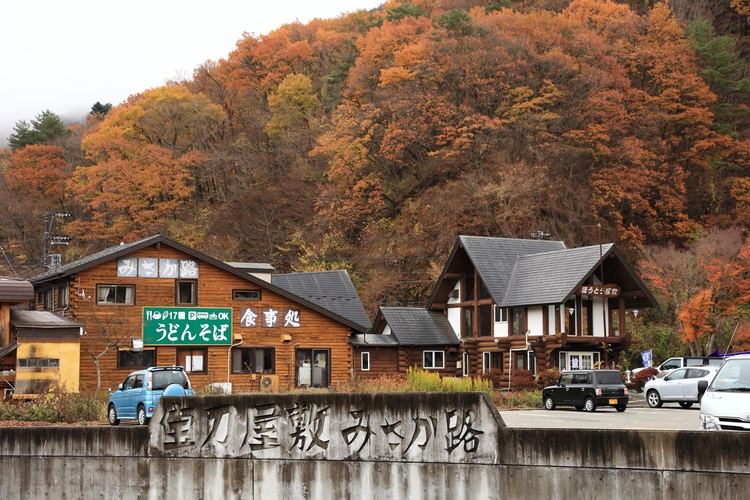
(337, 446)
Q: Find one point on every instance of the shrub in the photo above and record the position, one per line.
(644, 376)
(523, 380)
(547, 377)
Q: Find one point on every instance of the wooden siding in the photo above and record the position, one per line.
(118, 323)
(414, 356)
(383, 361)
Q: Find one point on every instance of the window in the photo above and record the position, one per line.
(128, 358)
(255, 360)
(39, 363)
(485, 318)
(518, 320)
(365, 363)
(467, 329)
(46, 300)
(501, 314)
(313, 368)
(246, 294)
(193, 360)
(115, 294)
(465, 369)
(62, 296)
(434, 360)
(571, 360)
(186, 293)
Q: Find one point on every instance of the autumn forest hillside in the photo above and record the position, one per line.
(370, 141)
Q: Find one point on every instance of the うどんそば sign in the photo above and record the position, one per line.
(187, 326)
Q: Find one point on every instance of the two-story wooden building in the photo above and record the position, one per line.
(157, 302)
(516, 304)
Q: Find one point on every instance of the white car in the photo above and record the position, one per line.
(726, 403)
(679, 386)
(680, 362)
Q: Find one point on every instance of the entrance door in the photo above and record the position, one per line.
(313, 368)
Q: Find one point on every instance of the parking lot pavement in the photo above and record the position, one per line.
(637, 416)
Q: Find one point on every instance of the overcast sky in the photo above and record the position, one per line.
(67, 55)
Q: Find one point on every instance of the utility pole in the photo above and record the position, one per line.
(49, 240)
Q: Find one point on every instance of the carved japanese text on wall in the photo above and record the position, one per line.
(300, 429)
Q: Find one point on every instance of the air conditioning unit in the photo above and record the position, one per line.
(269, 383)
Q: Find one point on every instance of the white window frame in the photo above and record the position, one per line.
(432, 363)
(486, 361)
(583, 357)
(364, 361)
(465, 366)
(102, 291)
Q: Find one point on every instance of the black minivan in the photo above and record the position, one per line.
(586, 390)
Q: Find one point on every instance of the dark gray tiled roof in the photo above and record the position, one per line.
(332, 290)
(374, 339)
(418, 326)
(495, 258)
(548, 278)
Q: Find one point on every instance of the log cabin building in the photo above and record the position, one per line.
(233, 326)
(512, 304)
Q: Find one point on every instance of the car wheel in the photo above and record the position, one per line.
(142, 419)
(686, 404)
(653, 399)
(621, 408)
(549, 403)
(589, 404)
(112, 415)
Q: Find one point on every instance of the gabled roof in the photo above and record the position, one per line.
(127, 248)
(520, 272)
(494, 259)
(550, 277)
(416, 326)
(330, 289)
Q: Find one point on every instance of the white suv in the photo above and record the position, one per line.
(725, 405)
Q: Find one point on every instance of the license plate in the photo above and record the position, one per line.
(613, 401)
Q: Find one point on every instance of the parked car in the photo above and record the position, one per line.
(681, 362)
(587, 390)
(725, 405)
(680, 386)
(137, 396)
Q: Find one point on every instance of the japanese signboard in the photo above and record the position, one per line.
(187, 326)
(152, 267)
(600, 290)
(252, 317)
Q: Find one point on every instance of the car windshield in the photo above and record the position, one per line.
(163, 378)
(609, 378)
(734, 375)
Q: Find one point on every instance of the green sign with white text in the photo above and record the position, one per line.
(187, 326)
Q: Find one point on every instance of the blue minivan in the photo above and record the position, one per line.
(136, 397)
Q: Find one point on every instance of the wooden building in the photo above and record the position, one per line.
(231, 325)
(407, 336)
(528, 304)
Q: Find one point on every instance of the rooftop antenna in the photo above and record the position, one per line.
(539, 235)
(49, 240)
